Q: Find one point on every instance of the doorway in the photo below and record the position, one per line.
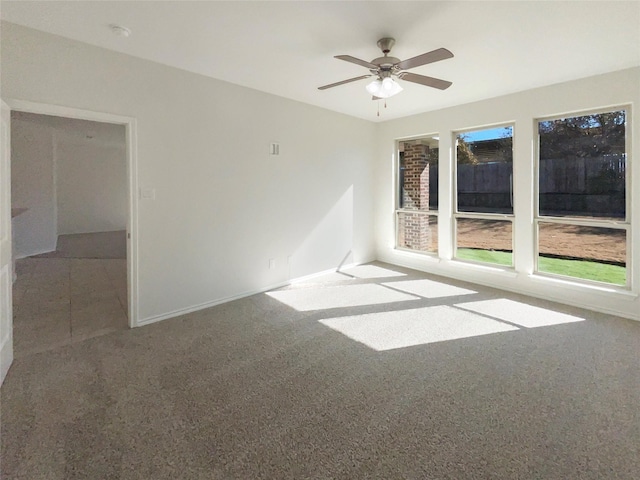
(74, 246)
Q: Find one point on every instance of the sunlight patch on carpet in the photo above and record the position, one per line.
(429, 288)
(372, 271)
(343, 296)
(406, 328)
(326, 278)
(519, 313)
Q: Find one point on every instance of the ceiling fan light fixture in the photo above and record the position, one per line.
(374, 87)
(392, 87)
(384, 88)
(386, 69)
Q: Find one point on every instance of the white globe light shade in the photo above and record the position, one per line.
(384, 88)
(387, 84)
(374, 88)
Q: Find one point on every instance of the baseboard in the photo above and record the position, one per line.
(213, 303)
(123, 230)
(510, 287)
(6, 356)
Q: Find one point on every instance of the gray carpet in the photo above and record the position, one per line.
(431, 380)
(106, 245)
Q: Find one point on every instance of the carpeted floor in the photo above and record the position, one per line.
(375, 373)
(90, 245)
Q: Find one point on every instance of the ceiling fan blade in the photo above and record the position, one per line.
(430, 57)
(424, 80)
(331, 85)
(357, 61)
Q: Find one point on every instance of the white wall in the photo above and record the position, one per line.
(32, 187)
(520, 109)
(68, 182)
(223, 207)
(91, 185)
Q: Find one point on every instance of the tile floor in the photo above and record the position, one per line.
(59, 301)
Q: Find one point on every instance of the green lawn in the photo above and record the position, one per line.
(486, 256)
(600, 272)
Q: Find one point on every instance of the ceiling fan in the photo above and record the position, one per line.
(387, 68)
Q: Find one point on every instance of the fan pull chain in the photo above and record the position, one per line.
(385, 103)
(378, 102)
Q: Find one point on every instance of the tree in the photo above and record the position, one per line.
(465, 155)
(584, 136)
(505, 143)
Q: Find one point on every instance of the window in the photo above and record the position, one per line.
(484, 196)
(582, 220)
(417, 195)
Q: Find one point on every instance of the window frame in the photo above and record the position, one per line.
(457, 214)
(397, 191)
(593, 222)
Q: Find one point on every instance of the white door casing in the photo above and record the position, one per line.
(132, 171)
(6, 271)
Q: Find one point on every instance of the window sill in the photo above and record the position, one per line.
(580, 286)
(478, 267)
(430, 257)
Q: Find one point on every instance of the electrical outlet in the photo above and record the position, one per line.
(272, 263)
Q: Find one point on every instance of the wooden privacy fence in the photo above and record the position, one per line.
(573, 185)
(484, 187)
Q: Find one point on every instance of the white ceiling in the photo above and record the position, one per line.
(287, 48)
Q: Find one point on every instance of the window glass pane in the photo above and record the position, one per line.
(592, 253)
(484, 170)
(418, 175)
(484, 240)
(583, 166)
(418, 231)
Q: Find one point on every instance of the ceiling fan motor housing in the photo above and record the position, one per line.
(385, 64)
(386, 44)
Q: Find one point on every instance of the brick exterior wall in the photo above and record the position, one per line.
(413, 229)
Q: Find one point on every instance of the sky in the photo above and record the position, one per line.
(487, 134)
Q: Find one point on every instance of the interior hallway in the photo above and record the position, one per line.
(58, 300)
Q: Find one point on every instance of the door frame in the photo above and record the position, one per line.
(6, 247)
(130, 125)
